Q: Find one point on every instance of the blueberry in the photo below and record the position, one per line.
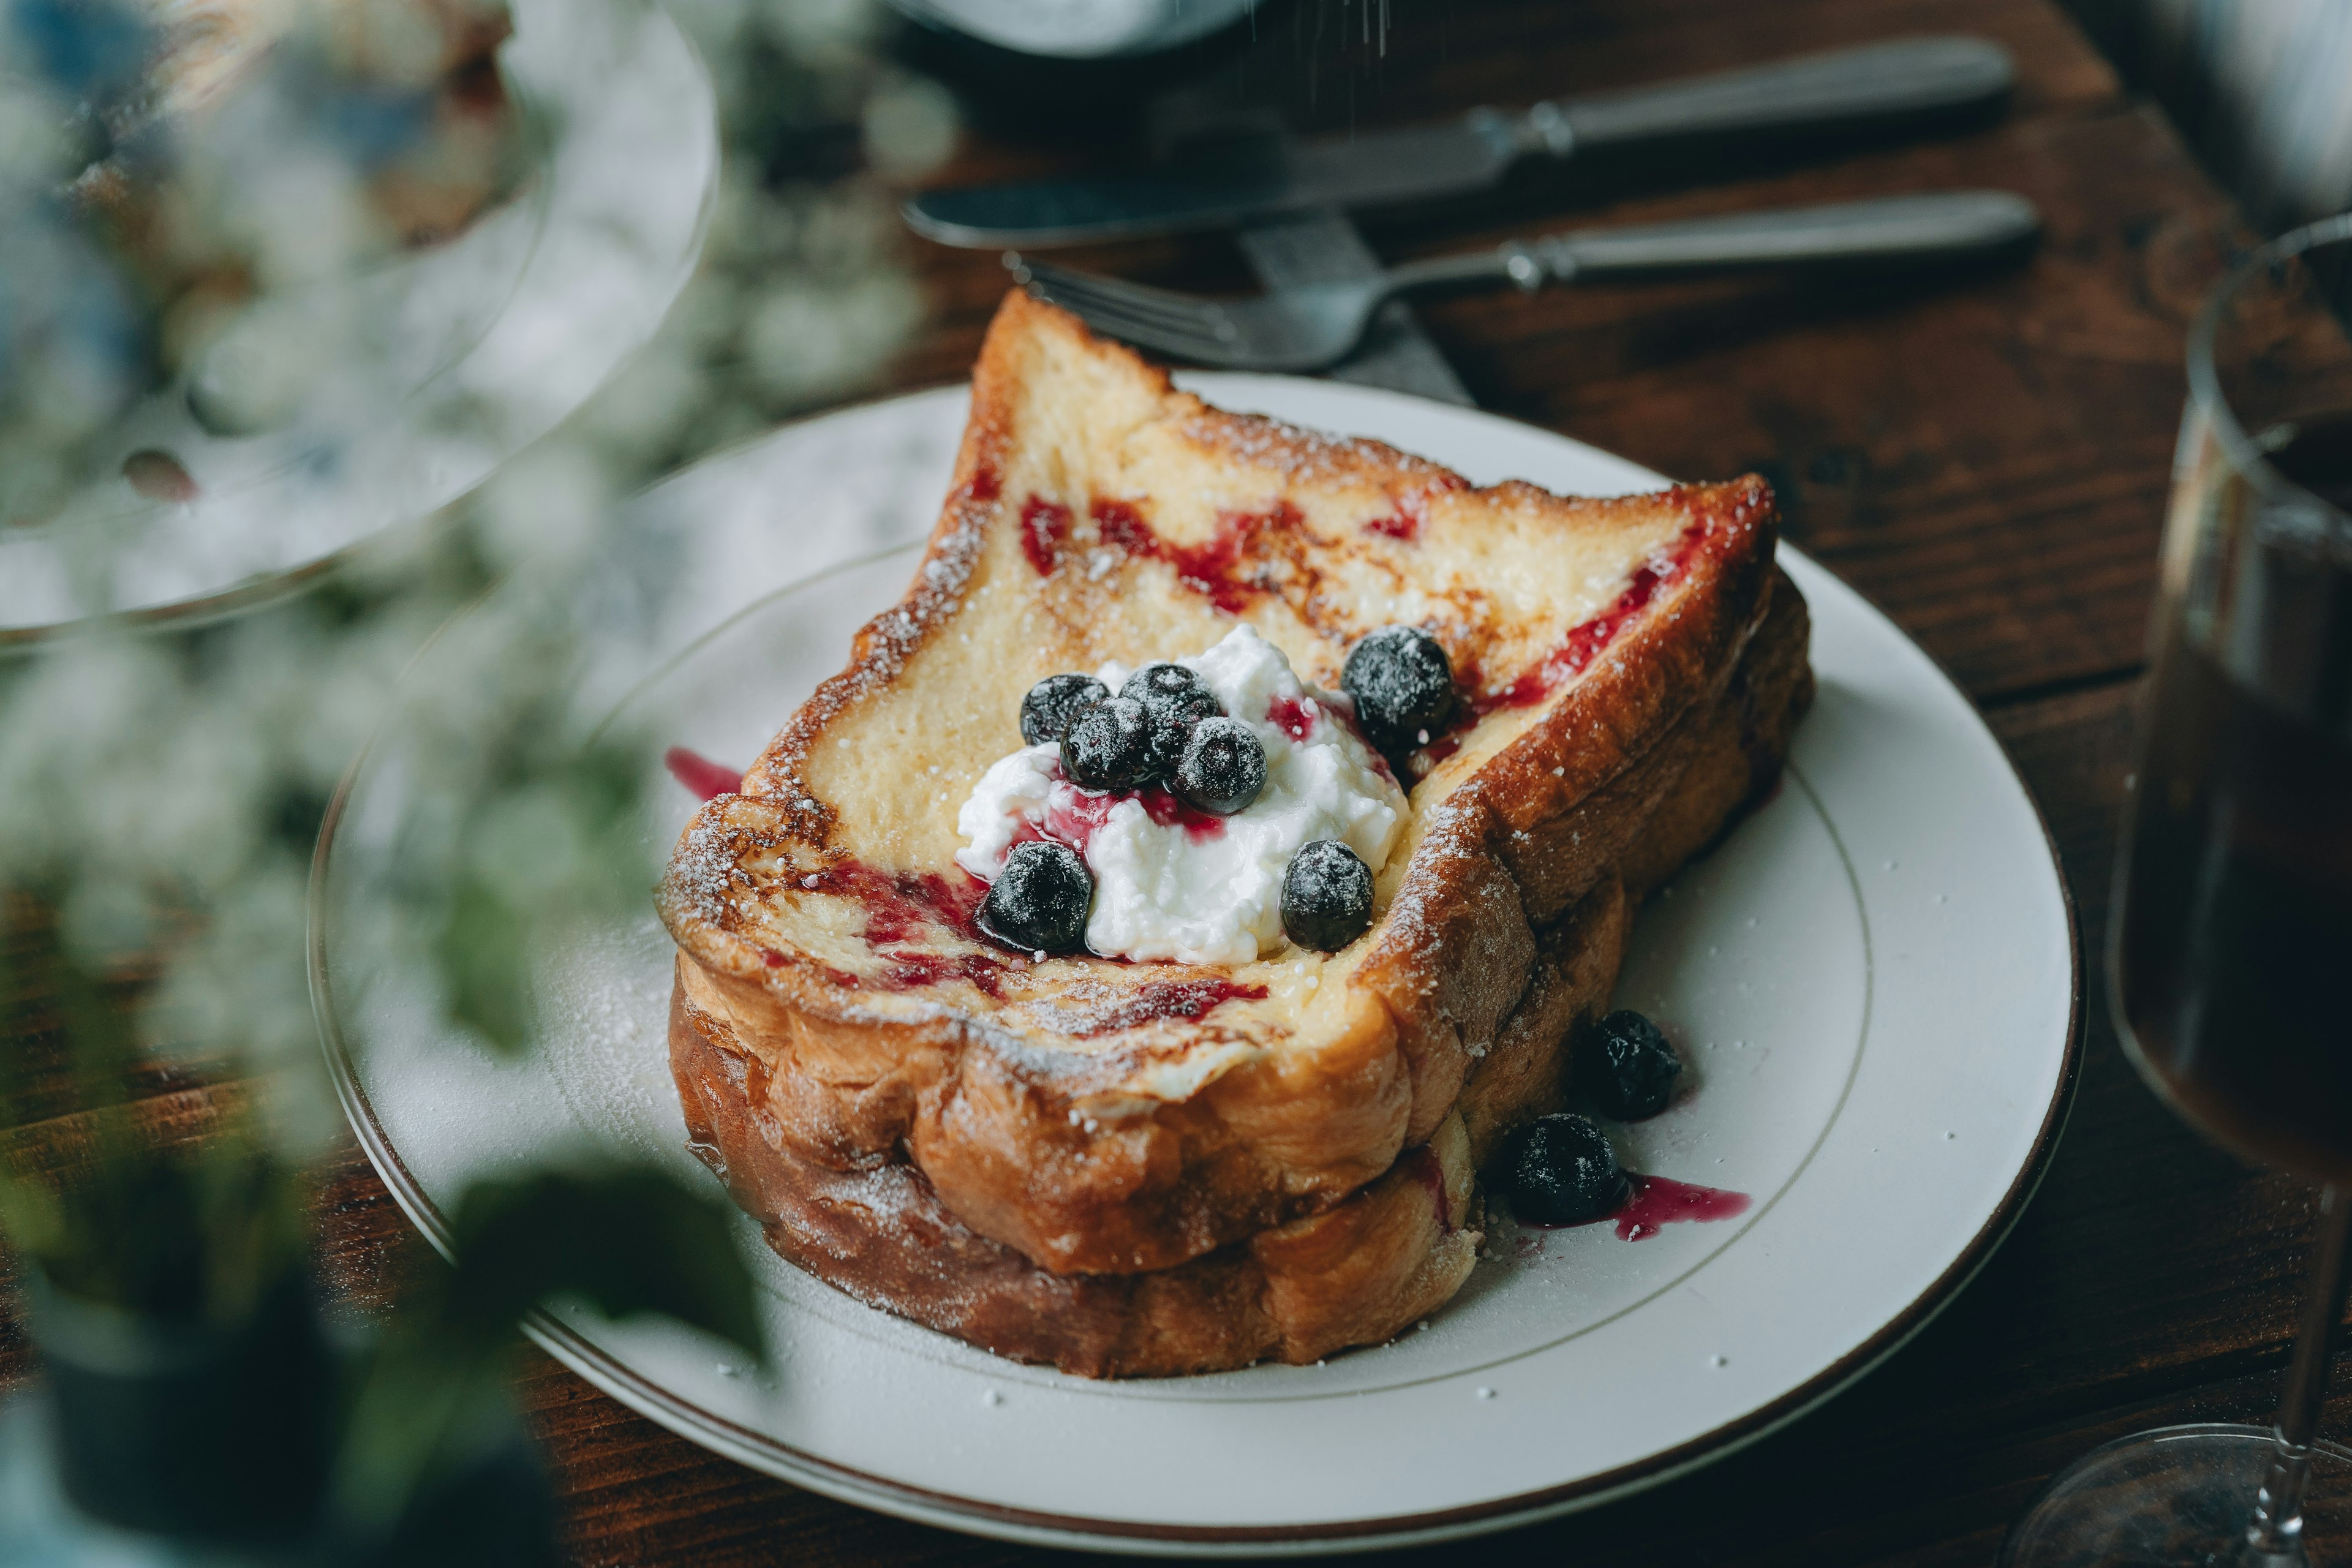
(1177, 699)
(1327, 896)
(1108, 747)
(1054, 703)
(1039, 900)
(1561, 1171)
(1223, 767)
(1628, 1067)
(1173, 689)
(1402, 684)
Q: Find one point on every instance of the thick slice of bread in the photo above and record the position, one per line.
(1095, 1117)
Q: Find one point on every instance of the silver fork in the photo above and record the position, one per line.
(1311, 328)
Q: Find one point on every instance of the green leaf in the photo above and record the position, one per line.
(629, 1240)
(30, 1217)
(483, 951)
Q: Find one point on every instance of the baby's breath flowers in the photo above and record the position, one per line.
(162, 789)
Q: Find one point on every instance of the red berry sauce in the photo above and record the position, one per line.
(1584, 642)
(1122, 527)
(1073, 816)
(1044, 526)
(1157, 999)
(159, 475)
(1653, 1202)
(1412, 509)
(1212, 568)
(1294, 716)
(1423, 1166)
(707, 779)
(907, 970)
(898, 903)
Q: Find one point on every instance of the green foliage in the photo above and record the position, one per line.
(189, 1231)
(180, 1234)
(627, 1240)
(547, 843)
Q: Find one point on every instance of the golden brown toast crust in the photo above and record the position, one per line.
(1044, 1106)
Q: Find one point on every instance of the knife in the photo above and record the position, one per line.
(1881, 84)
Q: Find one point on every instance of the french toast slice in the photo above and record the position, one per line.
(1090, 1117)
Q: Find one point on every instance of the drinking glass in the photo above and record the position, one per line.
(2232, 938)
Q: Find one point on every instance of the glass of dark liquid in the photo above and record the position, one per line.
(2231, 957)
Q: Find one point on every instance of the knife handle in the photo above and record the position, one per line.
(1942, 226)
(1900, 80)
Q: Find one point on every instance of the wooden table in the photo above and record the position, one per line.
(1987, 463)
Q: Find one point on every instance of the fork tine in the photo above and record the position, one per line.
(1184, 341)
(1115, 316)
(1134, 300)
(1178, 342)
(1181, 325)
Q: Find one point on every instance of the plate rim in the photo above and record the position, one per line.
(846, 1483)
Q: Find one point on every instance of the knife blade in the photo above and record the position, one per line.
(1874, 85)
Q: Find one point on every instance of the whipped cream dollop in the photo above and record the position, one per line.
(1174, 883)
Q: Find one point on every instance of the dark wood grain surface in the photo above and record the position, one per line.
(1987, 460)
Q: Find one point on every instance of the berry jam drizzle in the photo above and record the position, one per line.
(1423, 1167)
(1157, 999)
(1122, 527)
(707, 779)
(1213, 568)
(1653, 1202)
(1412, 509)
(911, 969)
(1584, 642)
(1074, 816)
(1045, 524)
(1294, 716)
(159, 475)
(896, 902)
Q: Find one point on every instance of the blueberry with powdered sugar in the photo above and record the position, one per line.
(1222, 768)
(1110, 746)
(1165, 686)
(1402, 685)
(1177, 699)
(1054, 704)
(1039, 901)
(1628, 1067)
(1327, 896)
(1559, 1170)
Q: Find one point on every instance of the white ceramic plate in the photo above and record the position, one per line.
(1874, 978)
(490, 338)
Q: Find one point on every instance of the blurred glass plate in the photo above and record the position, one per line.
(1081, 30)
(490, 338)
(1874, 979)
